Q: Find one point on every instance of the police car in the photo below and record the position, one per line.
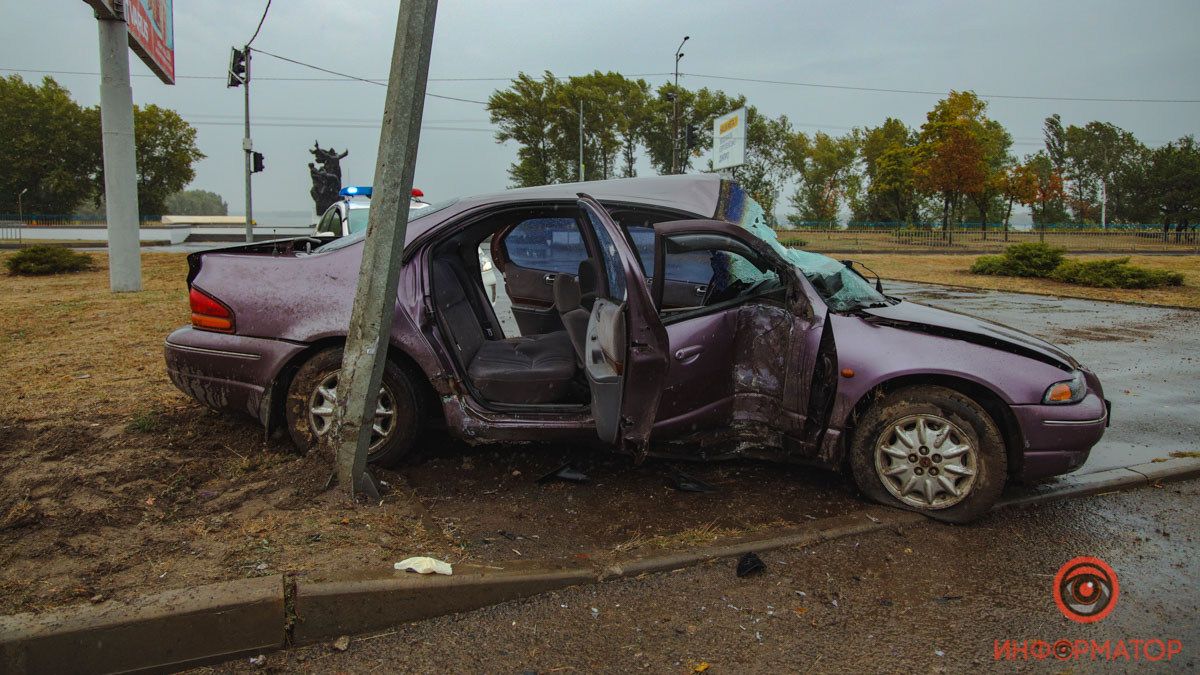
(349, 214)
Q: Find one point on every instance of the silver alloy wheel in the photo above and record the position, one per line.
(323, 399)
(926, 461)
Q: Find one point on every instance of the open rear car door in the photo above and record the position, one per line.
(625, 346)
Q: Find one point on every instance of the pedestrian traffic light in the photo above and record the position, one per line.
(256, 162)
(237, 68)
(691, 136)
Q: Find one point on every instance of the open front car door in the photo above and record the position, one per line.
(625, 345)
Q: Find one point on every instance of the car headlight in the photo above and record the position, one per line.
(1067, 391)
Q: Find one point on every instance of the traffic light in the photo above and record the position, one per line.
(691, 137)
(256, 162)
(238, 66)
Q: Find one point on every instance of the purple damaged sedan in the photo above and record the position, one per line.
(658, 317)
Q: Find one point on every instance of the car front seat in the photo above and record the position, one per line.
(568, 301)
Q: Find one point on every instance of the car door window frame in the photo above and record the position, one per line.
(740, 247)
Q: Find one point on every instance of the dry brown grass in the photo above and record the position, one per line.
(71, 347)
(954, 270)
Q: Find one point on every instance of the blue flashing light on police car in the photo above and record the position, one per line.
(356, 191)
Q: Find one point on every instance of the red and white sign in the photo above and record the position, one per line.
(151, 31)
(152, 35)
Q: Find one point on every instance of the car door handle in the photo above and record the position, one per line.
(701, 290)
(549, 279)
(688, 354)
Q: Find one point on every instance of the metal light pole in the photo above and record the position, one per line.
(248, 150)
(675, 113)
(387, 225)
(21, 208)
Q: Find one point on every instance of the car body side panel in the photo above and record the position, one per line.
(226, 372)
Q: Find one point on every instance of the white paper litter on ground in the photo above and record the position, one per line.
(424, 565)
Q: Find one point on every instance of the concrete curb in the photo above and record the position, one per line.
(220, 621)
(1099, 482)
(161, 632)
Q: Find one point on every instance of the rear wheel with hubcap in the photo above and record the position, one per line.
(312, 398)
(930, 449)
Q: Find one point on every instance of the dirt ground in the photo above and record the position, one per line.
(955, 270)
(113, 484)
(929, 598)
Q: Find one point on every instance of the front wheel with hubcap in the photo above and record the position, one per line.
(932, 450)
(312, 397)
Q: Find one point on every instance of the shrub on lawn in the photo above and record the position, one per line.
(1021, 260)
(793, 242)
(37, 260)
(1114, 273)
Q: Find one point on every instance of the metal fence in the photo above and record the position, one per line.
(43, 220)
(10, 230)
(969, 240)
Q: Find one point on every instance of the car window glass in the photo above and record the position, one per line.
(358, 219)
(547, 244)
(642, 237)
(331, 222)
(614, 272)
(840, 287)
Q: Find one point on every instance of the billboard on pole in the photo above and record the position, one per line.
(152, 35)
(151, 31)
(729, 139)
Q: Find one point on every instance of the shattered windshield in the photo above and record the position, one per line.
(840, 288)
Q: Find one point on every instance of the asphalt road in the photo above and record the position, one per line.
(1148, 359)
(928, 598)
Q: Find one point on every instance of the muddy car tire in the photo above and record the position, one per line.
(310, 399)
(931, 450)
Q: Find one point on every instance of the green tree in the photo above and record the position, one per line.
(525, 113)
(1096, 154)
(166, 153)
(1048, 194)
(822, 166)
(1018, 185)
(196, 203)
(1175, 176)
(50, 148)
(888, 155)
(996, 142)
(952, 151)
(697, 108)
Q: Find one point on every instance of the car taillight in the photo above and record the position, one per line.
(209, 313)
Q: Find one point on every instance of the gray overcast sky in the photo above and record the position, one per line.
(1109, 49)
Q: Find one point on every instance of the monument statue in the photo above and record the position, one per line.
(326, 178)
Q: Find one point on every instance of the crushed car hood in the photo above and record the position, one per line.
(923, 318)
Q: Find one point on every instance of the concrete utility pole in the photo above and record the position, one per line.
(675, 113)
(120, 157)
(581, 174)
(248, 148)
(387, 225)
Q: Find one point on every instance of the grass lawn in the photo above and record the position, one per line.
(954, 270)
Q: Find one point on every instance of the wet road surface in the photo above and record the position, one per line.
(927, 598)
(1148, 359)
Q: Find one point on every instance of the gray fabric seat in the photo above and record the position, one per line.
(534, 369)
(569, 303)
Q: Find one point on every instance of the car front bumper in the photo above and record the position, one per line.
(226, 372)
(1059, 438)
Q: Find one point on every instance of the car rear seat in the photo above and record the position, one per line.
(534, 369)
